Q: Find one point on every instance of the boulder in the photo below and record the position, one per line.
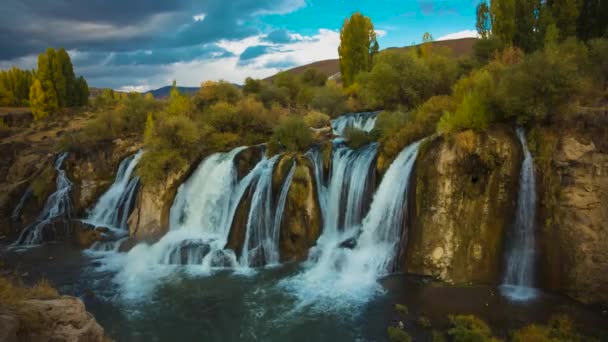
(61, 319)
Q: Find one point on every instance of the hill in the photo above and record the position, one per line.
(461, 47)
(164, 91)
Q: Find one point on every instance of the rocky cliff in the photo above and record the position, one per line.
(572, 163)
(463, 203)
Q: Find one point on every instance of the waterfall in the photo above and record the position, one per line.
(363, 121)
(202, 214)
(261, 245)
(342, 199)
(114, 206)
(352, 269)
(17, 211)
(57, 206)
(518, 281)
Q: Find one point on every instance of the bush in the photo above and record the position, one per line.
(541, 85)
(468, 328)
(396, 130)
(402, 309)
(212, 92)
(472, 113)
(313, 77)
(397, 78)
(329, 99)
(356, 138)
(398, 335)
(316, 119)
(293, 134)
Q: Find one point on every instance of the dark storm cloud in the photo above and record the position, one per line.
(29, 26)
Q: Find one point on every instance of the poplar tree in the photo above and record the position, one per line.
(358, 45)
(483, 23)
(45, 76)
(39, 103)
(502, 13)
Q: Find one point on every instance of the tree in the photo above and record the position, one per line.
(65, 72)
(179, 104)
(46, 77)
(502, 14)
(81, 97)
(358, 45)
(526, 22)
(41, 107)
(565, 13)
(427, 45)
(483, 22)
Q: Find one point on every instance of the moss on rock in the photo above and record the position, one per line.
(301, 223)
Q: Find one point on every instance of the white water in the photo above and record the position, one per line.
(363, 121)
(261, 246)
(114, 206)
(17, 211)
(337, 275)
(518, 283)
(57, 206)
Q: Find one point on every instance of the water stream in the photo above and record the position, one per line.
(518, 283)
(54, 217)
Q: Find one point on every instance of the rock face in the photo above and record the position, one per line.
(464, 201)
(149, 220)
(93, 173)
(301, 222)
(572, 223)
(62, 319)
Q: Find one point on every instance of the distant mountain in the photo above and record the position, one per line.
(331, 67)
(164, 91)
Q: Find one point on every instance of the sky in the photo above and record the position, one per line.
(138, 45)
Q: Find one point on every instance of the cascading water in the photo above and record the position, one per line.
(342, 199)
(114, 206)
(261, 245)
(519, 273)
(24, 198)
(363, 121)
(353, 270)
(57, 206)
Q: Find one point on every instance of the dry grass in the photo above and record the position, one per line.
(12, 293)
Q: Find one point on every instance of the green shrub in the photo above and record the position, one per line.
(356, 138)
(424, 322)
(468, 328)
(402, 309)
(398, 335)
(472, 113)
(212, 92)
(398, 129)
(329, 99)
(317, 119)
(293, 135)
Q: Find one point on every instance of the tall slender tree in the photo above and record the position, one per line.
(358, 45)
(502, 13)
(483, 23)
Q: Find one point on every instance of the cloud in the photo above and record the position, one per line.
(255, 51)
(281, 37)
(29, 26)
(460, 34)
(381, 33)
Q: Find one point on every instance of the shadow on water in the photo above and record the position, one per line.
(232, 307)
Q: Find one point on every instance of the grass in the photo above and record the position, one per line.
(12, 294)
